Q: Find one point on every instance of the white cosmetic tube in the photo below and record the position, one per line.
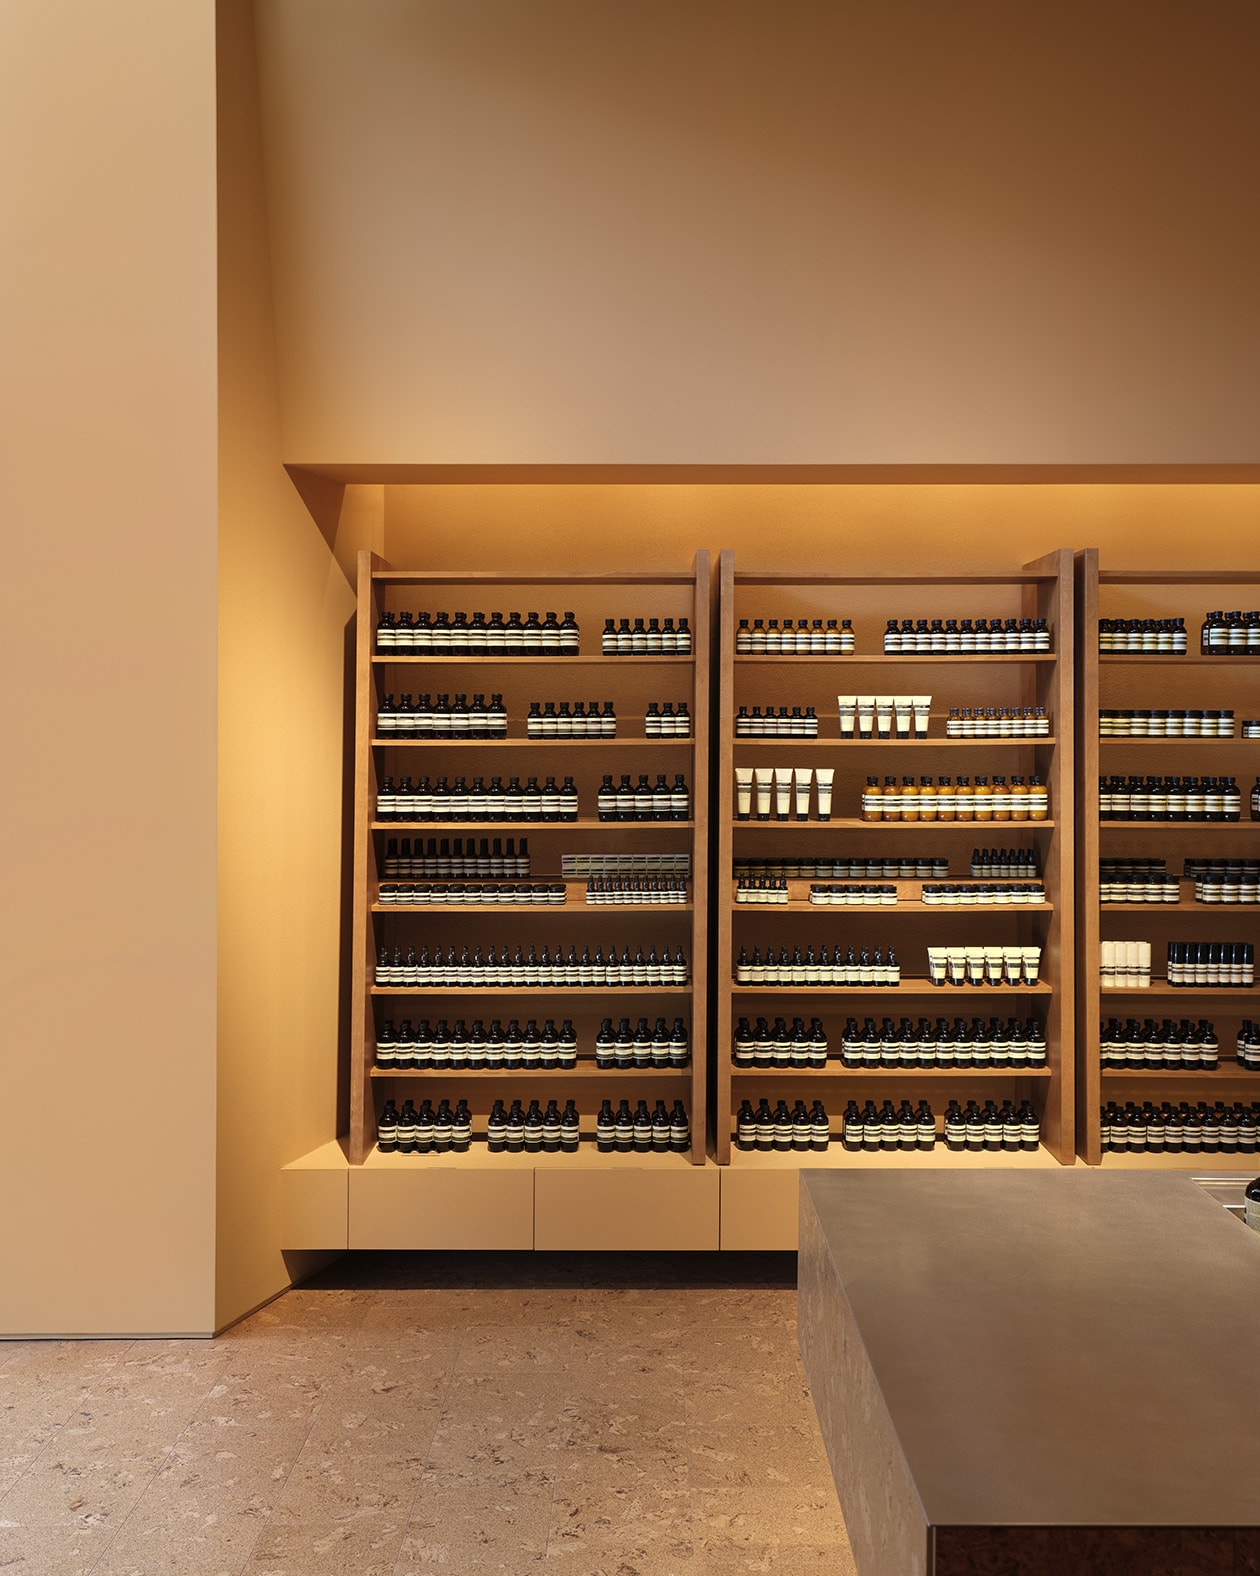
(826, 777)
(866, 716)
(1107, 964)
(1032, 964)
(936, 965)
(1013, 958)
(903, 712)
(975, 965)
(922, 712)
(764, 776)
(804, 783)
(848, 705)
(783, 793)
(884, 716)
(743, 792)
(993, 961)
(956, 958)
(1143, 963)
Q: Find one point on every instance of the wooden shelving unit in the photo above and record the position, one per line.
(1041, 589)
(1126, 680)
(631, 682)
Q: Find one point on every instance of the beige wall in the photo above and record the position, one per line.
(727, 231)
(107, 951)
(285, 604)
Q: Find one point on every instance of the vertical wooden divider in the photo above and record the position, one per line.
(363, 1028)
(1088, 995)
(723, 887)
(1055, 602)
(701, 647)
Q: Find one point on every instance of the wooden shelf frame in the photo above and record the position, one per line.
(1115, 679)
(1039, 589)
(633, 681)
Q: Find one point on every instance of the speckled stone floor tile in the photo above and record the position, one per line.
(52, 1551)
(479, 1518)
(188, 1536)
(64, 1491)
(435, 1415)
(367, 1546)
(329, 1486)
(773, 1559)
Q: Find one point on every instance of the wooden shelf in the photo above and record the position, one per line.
(583, 1074)
(1175, 738)
(914, 987)
(837, 1158)
(1177, 577)
(568, 910)
(1220, 1074)
(1183, 826)
(574, 895)
(495, 828)
(383, 659)
(915, 659)
(1201, 1163)
(854, 824)
(524, 744)
(834, 741)
(479, 1158)
(1182, 906)
(570, 992)
(1204, 993)
(1165, 658)
(483, 577)
(785, 578)
(644, 678)
(911, 906)
(786, 1074)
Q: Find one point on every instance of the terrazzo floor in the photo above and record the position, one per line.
(408, 1415)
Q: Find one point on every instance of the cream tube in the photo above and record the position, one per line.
(804, 782)
(848, 705)
(993, 965)
(956, 959)
(1013, 959)
(866, 716)
(903, 712)
(1143, 963)
(743, 792)
(764, 776)
(1107, 964)
(783, 793)
(1032, 964)
(826, 776)
(975, 965)
(936, 965)
(884, 716)
(922, 706)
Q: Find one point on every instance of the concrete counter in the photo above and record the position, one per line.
(1034, 1371)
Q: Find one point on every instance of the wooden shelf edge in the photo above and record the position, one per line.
(767, 1074)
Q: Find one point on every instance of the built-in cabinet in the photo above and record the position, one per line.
(825, 870)
(868, 892)
(1143, 733)
(508, 913)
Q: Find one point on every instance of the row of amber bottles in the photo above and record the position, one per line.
(943, 799)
